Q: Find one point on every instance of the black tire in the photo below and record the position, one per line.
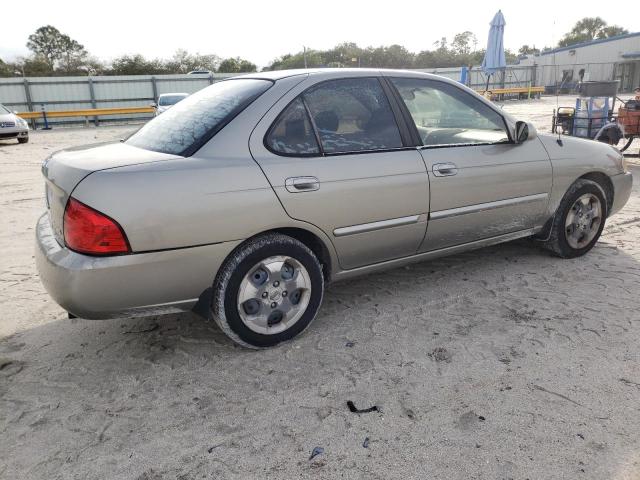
(557, 242)
(626, 143)
(224, 307)
(23, 140)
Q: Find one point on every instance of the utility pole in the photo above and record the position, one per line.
(304, 53)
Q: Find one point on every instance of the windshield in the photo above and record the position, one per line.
(165, 100)
(4, 109)
(183, 129)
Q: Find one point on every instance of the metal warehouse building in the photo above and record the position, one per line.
(615, 58)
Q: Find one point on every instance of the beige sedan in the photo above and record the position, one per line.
(243, 200)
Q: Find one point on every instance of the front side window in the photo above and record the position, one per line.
(184, 128)
(446, 115)
(352, 115)
(291, 133)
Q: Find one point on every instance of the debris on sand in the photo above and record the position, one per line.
(353, 409)
(315, 452)
(365, 444)
(441, 354)
(211, 449)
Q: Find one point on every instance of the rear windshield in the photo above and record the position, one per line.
(184, 128)
(165, 100)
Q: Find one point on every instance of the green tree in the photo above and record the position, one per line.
(53, 46)
(236, 65)
(590, 28)
(136, 65)
(464, 43)
(185, 62)
(6, 69)
(612, 31)
(527, 50)
(33, 66)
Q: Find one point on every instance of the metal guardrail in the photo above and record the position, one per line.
(89, 112)
(516, 90)
(86, 113)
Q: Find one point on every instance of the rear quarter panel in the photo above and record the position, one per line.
(183, 203)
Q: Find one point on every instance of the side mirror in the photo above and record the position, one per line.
(522, 131)
(153, 105)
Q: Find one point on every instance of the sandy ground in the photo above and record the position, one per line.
(495, 364)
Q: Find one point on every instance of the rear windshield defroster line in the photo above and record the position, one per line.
(189, 124)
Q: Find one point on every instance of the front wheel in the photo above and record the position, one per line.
(268, 291)
(23, 139)
(579, 220)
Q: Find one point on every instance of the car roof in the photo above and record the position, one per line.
(336, 73)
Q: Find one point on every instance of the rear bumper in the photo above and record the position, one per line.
(127, 285)
(622, 184)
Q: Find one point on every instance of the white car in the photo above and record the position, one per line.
(168, 100)
(12, 126)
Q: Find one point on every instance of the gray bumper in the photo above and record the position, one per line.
(13, 132)
(621, 190)
(127, 285)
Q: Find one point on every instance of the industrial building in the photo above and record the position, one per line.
(615, 58)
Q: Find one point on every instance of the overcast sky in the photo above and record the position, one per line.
(263, 30)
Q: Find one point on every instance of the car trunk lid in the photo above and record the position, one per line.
(64, 170)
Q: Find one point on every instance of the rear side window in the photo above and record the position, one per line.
(352, 115)
(291, 134)
(188, 125)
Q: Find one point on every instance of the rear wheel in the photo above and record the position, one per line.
(579, 220)
(268, 291)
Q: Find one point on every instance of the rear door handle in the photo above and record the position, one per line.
(445, 169)
(301, 184)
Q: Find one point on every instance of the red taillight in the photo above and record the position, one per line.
(88, 231)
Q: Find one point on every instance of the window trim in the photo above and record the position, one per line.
(396, 110)
(414, 128)
(311, 123)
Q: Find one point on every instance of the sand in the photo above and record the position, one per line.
(500, 363)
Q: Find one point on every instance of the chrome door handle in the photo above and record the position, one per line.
(445, 169)
(301, 184)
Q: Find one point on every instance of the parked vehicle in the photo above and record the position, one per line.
(168, 100)
(246, 198)
(12, 126)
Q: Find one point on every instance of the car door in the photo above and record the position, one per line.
(482, 184)
(336, 158)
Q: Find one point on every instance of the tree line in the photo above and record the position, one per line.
(55, 53)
